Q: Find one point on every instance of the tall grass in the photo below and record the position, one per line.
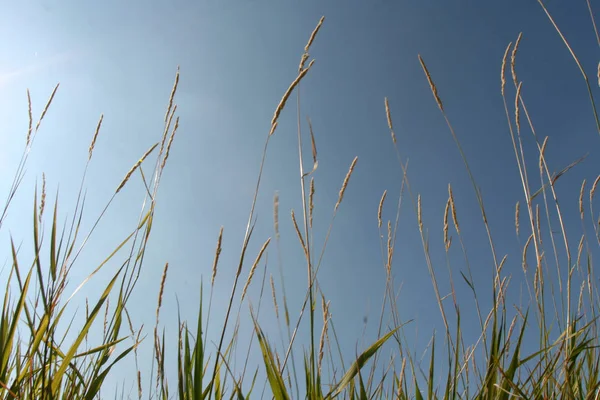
(44, 356)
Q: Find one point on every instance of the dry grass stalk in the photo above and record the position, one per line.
(170, 142)
(311, 203)
(28, 139)
(93, 144)
(401, 378)
(419, 213)
(172, 96)
(594, 186)
(446, 211)
(43, 197)
(581, 198)
(286, 95)
(431, 84)
(538, 221)
(388, 114)
(254, 265)
(276, 214)
(162, 290)
(345, 184)
(46, 107)
(525, 253)
(380, 208)
(299, 234)
(598, 73)
(513, 59)
(517, 109)
(503, 70)
(542, 152)
(135, 167)
(274, 297)
(217, 254)
(453, 209)
(517, 208)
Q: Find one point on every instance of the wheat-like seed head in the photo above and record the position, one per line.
(166, 130)
(172, 96)
(139, 382)
(388, 114)
(299, 234)
(501, 265)
(217, 254)
(594, 186)
(380, 208)
(580, 249)
(309, 43)
(446, 211)
(170, 142)
(286, 95)
(390, 248)
(135, 167)
(345, 184)
(314, 34)
(513, 59)
(581, 198)
(161, 291)
(517, 218)
(503, 69)
(517, 109)
(91, 149)
(43, 197)
(525, 253)
(311, 201)
(325, 307)
(580, 303)
(431, 84)
(254, 265)
(106, 315)
(276, 214)
(28, 139)
(46, 107)
(453, 209)
(542, 152)
(274, 297)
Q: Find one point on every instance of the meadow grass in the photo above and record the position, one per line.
(37, 361)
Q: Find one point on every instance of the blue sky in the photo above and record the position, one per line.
(236, 59)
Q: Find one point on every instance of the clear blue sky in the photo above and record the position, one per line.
(237, 58)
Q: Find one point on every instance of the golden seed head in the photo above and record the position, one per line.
(431, 84)
(380, 208)
(345, 184)
(513, 59)
(502, 71)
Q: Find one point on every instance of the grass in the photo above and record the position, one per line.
(44, 356)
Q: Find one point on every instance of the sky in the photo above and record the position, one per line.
(236, 59)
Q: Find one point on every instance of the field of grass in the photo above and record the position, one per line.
(43, 355)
